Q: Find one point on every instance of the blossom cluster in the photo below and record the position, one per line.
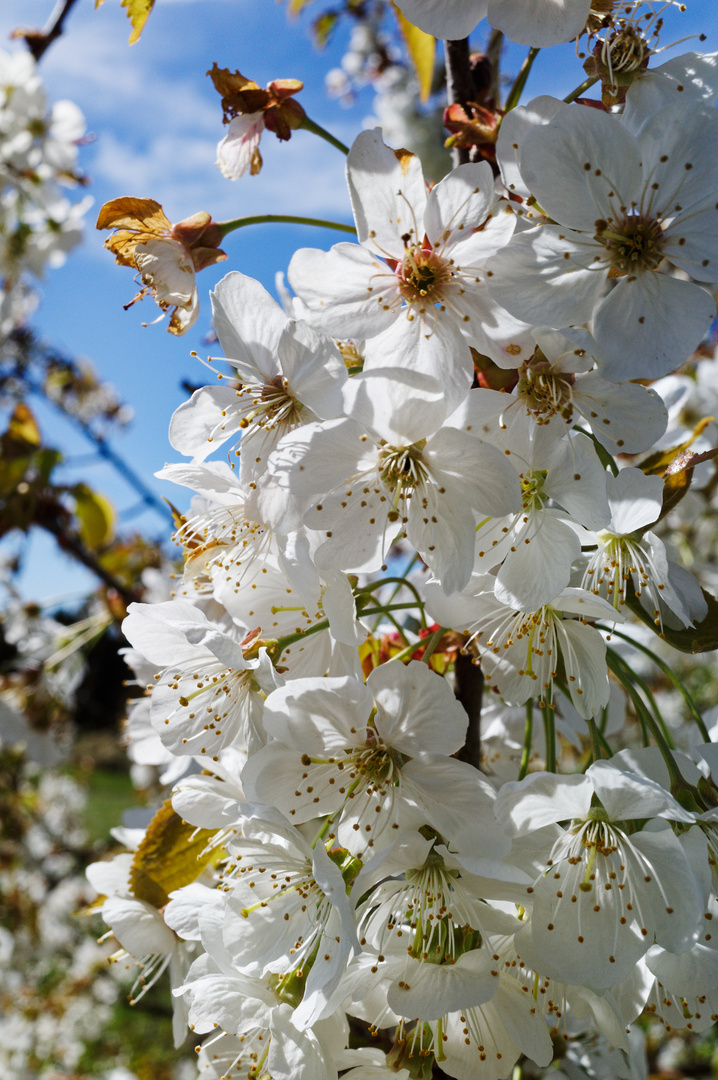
(466, 389)
(39, 225)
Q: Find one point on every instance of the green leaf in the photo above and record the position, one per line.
(323, 27)
(171, 854)
(95, 514)
(696, 639)
(422, 52)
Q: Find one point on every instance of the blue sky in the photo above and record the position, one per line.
(156, 121)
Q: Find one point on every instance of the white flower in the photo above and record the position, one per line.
(414, 287)
(625, 204)
(222, 537)
(288, 376)
(535, 546)
(393, 467)
(628, 552)
(208, 695)
(287, 909)
(521, 651)
(331, 754)
(528, 22)
(625, 417)
(608, 891)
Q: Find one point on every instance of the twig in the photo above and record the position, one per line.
(72, 544)
(148, 498)
(39, 41)
(459, 85)
(469, 690)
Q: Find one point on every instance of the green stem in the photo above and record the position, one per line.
(641, 683)
(402, 583)
(638, 703)
(310, 125)
(625, 676)
(520, 81)
(292, 219)
(433, 642)
(413, 646)
(399, 629)
(549, 727)
(528, 734)
(391, 607)
(675, 681)
(282, 643)
(585, 85)
(607, 751)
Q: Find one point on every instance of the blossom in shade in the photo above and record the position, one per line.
(630, 208)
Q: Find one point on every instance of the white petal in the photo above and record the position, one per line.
(429, 991)
(417, 709)
(649, 325)
(347, 289)
(451, 19)
(544, 22)
(200, 425)
(596, 159)
(388, 195)
(248, 322)
(461, 200)
(542, 799)
(539, 567)
(543, 276)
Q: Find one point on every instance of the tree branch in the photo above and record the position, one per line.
(469, 690)
(72, 544)
(459, 85)
(39, 41)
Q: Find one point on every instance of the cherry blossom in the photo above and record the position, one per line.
(623, 204)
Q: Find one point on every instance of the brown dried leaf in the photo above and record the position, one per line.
(145, 215)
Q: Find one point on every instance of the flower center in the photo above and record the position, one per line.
(533, 496)
(401, 467)
(617, 561)
(633, 244)
(545, 392)
(270, 405)
(422, 274)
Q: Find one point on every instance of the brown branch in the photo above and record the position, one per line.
(459, 85)
(469, 690)
(71, 543)
(39, 41)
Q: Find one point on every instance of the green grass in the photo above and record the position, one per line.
(109, 793)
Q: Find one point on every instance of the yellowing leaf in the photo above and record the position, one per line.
(422, 52)
(137, 12)
(95, 514)
(23, 428)
(171, 854)
(295, 6)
